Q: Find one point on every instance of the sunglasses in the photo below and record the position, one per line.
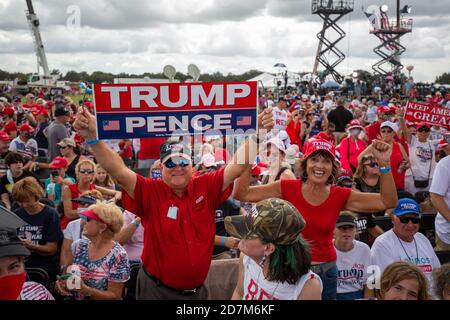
(170, 164)
(372, 164)
(406, 220)
(61, 147)
(386, 131)
(85, 171)
(424, 130)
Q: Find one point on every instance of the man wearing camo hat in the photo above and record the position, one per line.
(276, 262)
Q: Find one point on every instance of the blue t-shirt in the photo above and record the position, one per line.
(58, 189)
(42, 228)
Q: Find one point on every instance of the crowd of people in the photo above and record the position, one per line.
(297, 205)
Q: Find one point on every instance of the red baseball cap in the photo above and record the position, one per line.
(59, 162)
(258, 168)
(4, 136)
(422, 124)
(442, 144)
(384, 109)
(319, 145)
(355, 124)
(410, 123)
(8, 111)
(26, 128)
(43, 112)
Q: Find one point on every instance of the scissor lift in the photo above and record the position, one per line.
(330, 11)
(390, 48)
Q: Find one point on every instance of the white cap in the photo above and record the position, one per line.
(277, 143)
(389, 124)
(208, 160)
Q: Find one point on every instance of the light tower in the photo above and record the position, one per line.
(389, 33)
(330, 11)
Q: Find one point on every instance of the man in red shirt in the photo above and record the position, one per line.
(177, 212)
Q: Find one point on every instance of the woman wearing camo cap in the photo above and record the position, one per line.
(276, 262)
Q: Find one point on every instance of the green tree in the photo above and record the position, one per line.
(443, 78)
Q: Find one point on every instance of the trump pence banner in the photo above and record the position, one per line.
(165, 109)
(430, 113)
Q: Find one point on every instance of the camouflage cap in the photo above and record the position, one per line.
(272, 220)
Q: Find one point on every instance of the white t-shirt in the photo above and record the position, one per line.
(73, 230)
(421, 155)
(441, 186)
(328, 104)
(280, 118)
(388, 248)
(352, 267)
(256, 287)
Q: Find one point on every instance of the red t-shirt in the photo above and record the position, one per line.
(293, 131)
(373, 131)
(221, 154)
(150, 148)
(75, 194)
(320, 220)
(396, 160)
(10, 126)
(127, 153)
(178, 248)
(350, 150)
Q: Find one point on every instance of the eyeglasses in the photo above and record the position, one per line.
(62, 147)
(424, 130)
(86, 171)
(406, 220)
(386, 131)
(372, 164)
(170, 164)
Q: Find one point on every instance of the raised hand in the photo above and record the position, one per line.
(85, 124)
(265, 120)
(382, 152)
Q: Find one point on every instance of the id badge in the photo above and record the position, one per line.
(172, 213)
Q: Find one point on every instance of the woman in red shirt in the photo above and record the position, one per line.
(294, 128)
(320, 202)
(399, 159)
(351, 147)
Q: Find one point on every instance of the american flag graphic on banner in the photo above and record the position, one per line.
(111, 125)
(244, 121)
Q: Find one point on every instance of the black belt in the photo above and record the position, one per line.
(184, 292)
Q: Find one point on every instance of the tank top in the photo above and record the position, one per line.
(75, 194)
(256, 287)
(320, 220)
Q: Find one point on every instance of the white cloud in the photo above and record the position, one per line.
(139, 36)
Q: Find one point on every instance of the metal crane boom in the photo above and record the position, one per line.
(39, 46)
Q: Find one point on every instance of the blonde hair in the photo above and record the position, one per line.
(93, 193)
(109, 182)
(27, 189)
(399, 271)
(84, 162)
(110, 214)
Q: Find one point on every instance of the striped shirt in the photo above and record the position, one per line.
(35, 291)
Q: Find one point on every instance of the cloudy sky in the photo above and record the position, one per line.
(137, 36)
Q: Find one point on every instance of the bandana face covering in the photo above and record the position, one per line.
(10, 286)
